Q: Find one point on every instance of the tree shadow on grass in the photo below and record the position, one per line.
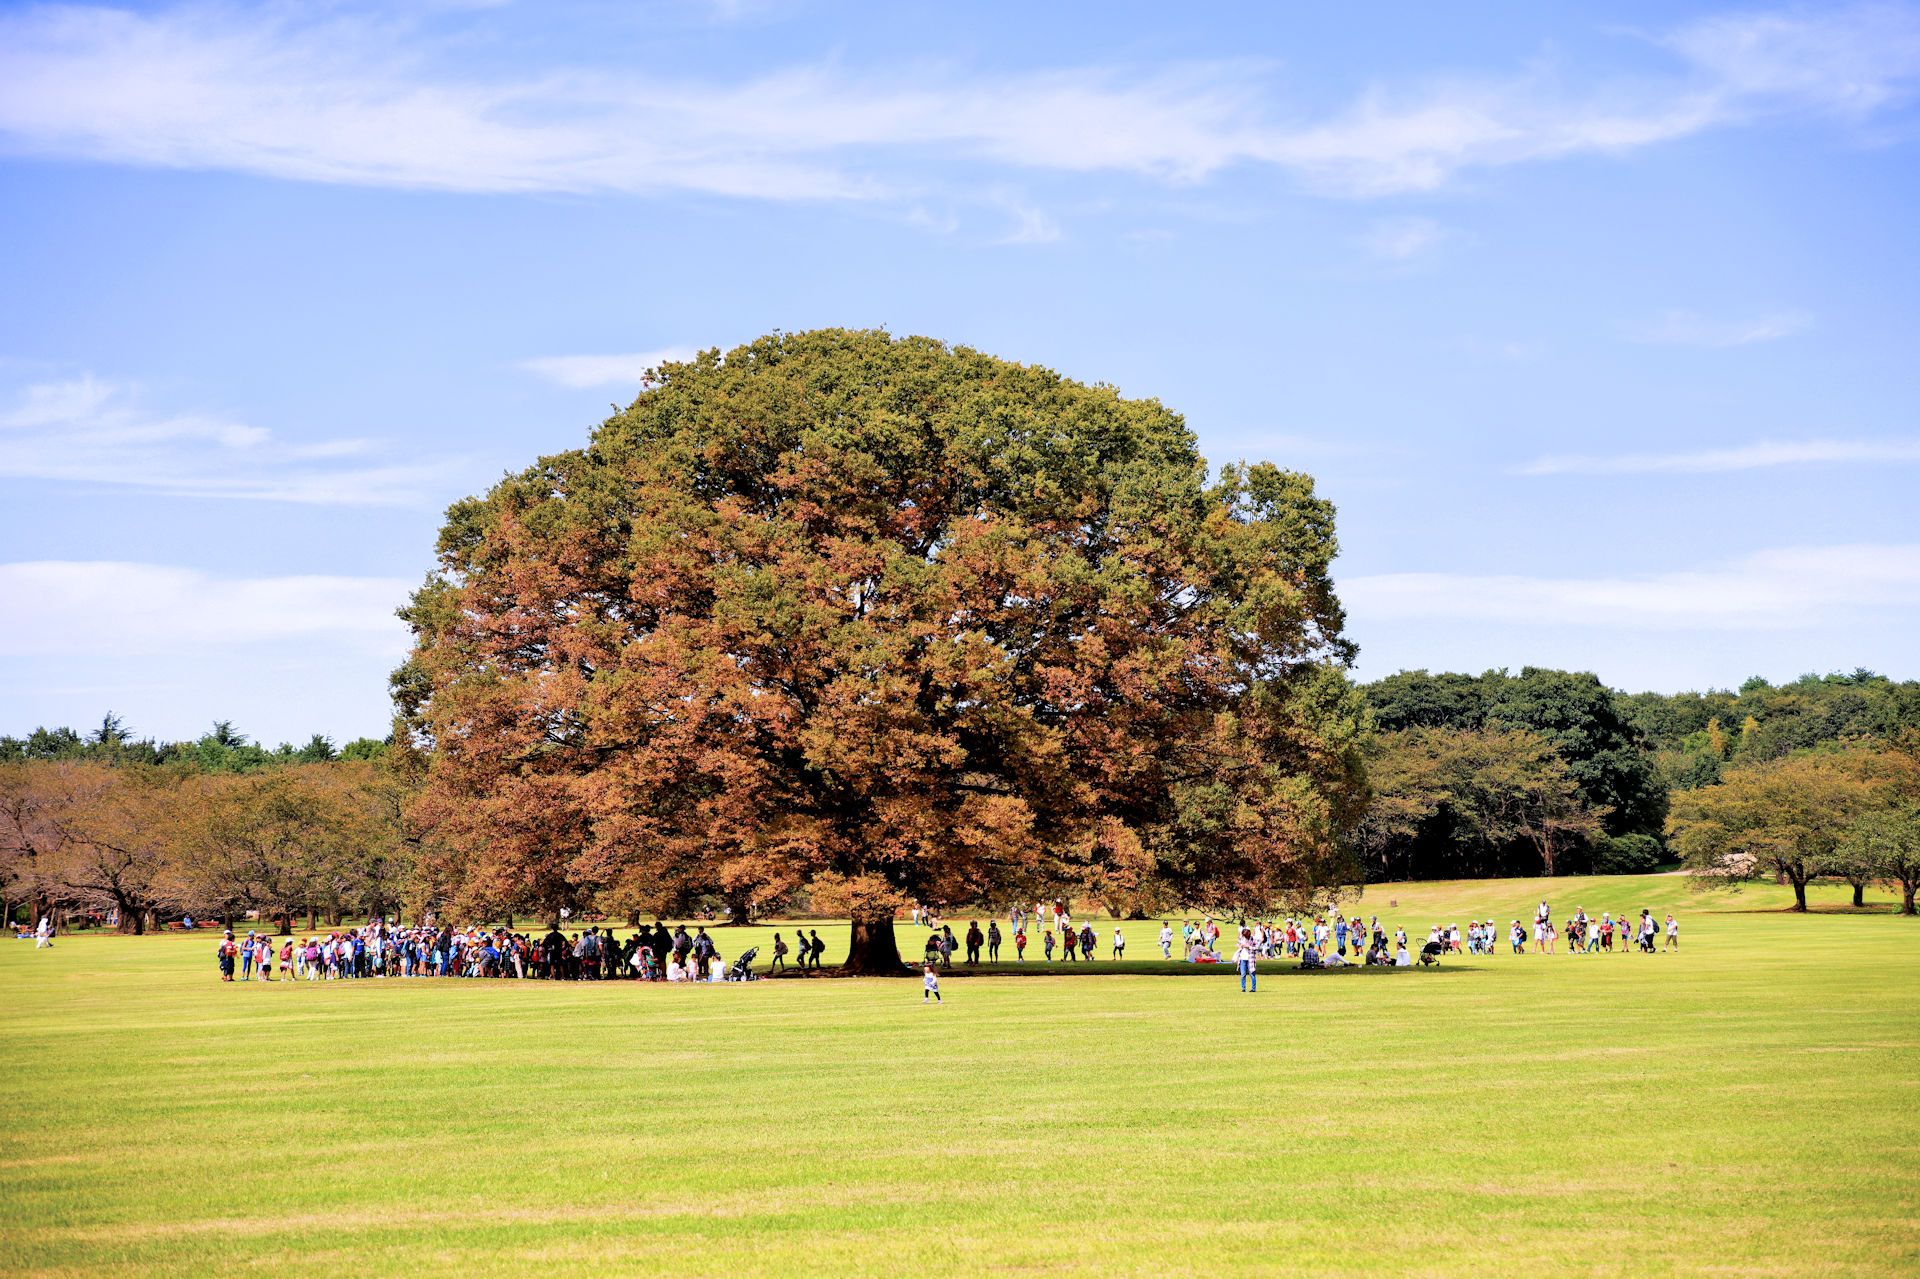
(1136, 968)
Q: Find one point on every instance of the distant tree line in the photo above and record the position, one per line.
(108, 825)
(221, 750)
(1544, 772)
(1552, 772)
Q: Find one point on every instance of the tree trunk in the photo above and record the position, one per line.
(1906, 896)
(1799, 894)
(740, 907)
(1859, 893)
(313, 924)
(872, 952)
(509, 921)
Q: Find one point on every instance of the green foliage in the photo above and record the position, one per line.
(1635, 854)
(1694, 734)
(1573, 712)
(223, 749)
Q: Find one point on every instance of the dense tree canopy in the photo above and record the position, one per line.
(1799, 818)
(895, 621)
(1470, 803)
(1577, 715)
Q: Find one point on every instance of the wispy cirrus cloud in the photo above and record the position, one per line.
(578, 372)
(58, 607)
(1398, 239)
(87, 430)
(1684, 328)
(340, 97)
(1745, 457)
(1784, 588)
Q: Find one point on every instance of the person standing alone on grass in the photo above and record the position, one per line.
(931, 981)
(1673, 932)
(1166, 940)
(1119, 944)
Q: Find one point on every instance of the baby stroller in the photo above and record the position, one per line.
(647, 967)
(742, 969)
(1430, 953)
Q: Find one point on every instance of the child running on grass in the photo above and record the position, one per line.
(932, 983)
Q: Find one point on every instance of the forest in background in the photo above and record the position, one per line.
(1497, 774)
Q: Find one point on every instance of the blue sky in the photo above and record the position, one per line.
(1597, 321)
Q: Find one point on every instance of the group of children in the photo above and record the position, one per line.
(1585, 935)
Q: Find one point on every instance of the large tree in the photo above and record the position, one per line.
(1480, 792)
(892, 620)
(1787, 817)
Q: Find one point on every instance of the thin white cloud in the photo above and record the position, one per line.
(1684, 328)
(1849, 60)
(1786, 588)
(348, 99)
(1747, 457)
(89, 431)
(56, 608)
(581, 371)
(1398, 239)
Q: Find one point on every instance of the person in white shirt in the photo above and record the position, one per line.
(1119, 944)
(1166, 939)
(43, 935)
(1244, 961)
(1401, 959)
(1673, 933)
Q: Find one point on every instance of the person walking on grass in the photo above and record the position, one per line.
(1673, 932)
(931, 982)
(1166, 940)
(1119, 944)
(1046, 942)
(779, 954)
(1243, 960)
(948, 944)
(817, 949)
(1070, 940)
(1020, 943)
(1088, 942)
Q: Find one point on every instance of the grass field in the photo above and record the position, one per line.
(1748, 1105)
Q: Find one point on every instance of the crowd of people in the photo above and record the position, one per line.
(379, 949)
